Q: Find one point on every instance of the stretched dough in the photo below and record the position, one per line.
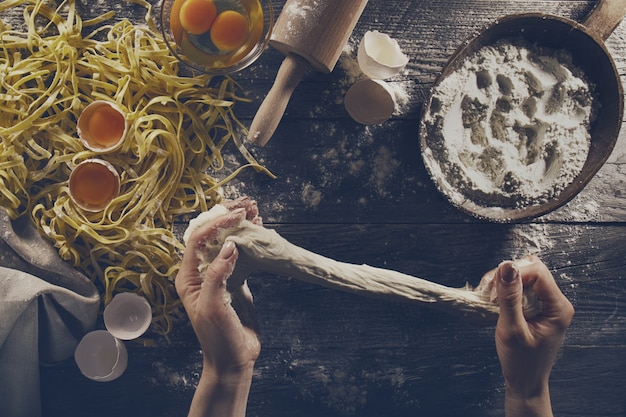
(262, 249)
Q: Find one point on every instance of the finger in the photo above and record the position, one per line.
(213, 292)
(236, 203)
(537, 276)
(188, 274)
(244, 306)
(222, 326)
(210, 230)
(251, 207)
(509, 287)
(538, 279)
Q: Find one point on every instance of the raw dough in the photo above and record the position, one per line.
(262, 249)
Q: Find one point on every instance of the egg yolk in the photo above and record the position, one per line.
(105, 126)
(93, 185)
(229, 30)
(175, 25)
(197, 16)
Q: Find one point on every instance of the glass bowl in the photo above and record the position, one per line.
(225, 44)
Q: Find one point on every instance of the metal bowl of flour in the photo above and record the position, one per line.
(585, 43)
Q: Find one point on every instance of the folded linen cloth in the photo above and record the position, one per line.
(46, 306)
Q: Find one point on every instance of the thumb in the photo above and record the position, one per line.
(510, 290)
(218, 272)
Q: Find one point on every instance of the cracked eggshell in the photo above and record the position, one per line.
(127, 316)
(93, 184)
(370, 101)
(379, 56)
(102, 126)
(100, 356)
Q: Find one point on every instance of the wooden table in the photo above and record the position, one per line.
(361, 194)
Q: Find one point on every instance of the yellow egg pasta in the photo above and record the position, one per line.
(51, 69)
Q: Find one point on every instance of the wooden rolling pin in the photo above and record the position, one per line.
(311, 34)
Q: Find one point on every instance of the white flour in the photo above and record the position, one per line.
(510, 128)
(302, 11)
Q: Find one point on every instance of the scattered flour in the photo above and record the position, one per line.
(298, 14)
(176, 379)
(302, 11)
(384, 167)
(350, 65)
(310, 196)
(580, 210)
(375, 169)
(531, 239)
(510, 128)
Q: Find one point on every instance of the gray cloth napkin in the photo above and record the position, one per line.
(46, 306)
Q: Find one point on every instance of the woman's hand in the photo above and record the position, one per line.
(224, 323)
(527, 348)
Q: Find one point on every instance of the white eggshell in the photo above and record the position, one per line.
(370, 101)
(88, 138)
(379, 56)
(75, 178)
(127, 316)
(100, 356)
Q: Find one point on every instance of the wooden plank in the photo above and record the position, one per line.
(343, 172)
(337, 354)
(362, 195)
(585, 382)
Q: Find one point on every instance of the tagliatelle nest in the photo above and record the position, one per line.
(178, 126)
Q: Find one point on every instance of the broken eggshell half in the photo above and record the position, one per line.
(93, 184)
(100, 356)
(102, 126)
(370, 101)
(379, 56)
(127, 316)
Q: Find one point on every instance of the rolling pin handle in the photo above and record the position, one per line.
(273, 107)
(605, 17)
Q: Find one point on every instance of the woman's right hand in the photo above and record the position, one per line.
(527, 348)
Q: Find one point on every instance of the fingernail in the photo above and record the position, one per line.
(227, 249)
(508, 272)
(238, 211)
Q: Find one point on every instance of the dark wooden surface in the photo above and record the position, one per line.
(361, 194)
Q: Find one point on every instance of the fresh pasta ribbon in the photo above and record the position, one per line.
(178, 129)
